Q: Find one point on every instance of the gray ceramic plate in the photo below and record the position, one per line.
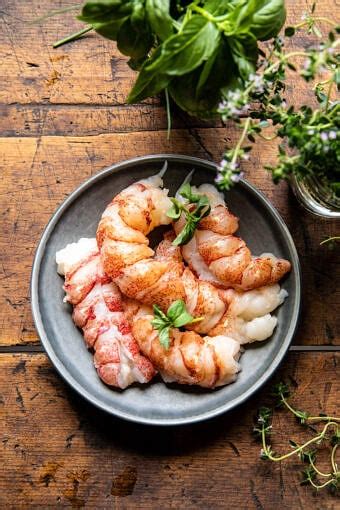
(156, 403)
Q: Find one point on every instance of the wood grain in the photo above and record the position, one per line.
(61, 453)
(63, 117)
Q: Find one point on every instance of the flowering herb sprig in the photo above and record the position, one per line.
(311, 135)
(307, 453)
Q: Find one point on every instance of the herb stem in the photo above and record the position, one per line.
(329, 94)
(73, 37)
(310, 418)
(314, 19)
(241, 140)
(50, 14)
(267, 138)
(321, 486)
(325, 475)
(168, 112)
(291, 409)
(324, 418)
(334, 465)
(203, 12)
(296, 450)
(334, 238)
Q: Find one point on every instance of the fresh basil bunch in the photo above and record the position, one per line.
(195, 50)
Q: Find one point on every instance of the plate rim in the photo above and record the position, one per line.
(48, 345)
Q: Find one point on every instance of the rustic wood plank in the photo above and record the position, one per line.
(88, 71)
(38, 173)
(61, 452)
(84, 120)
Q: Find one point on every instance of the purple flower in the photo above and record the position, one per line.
(237, 177)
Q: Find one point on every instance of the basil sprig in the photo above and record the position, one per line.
(195, 51)
(192, 215)
(176, 317)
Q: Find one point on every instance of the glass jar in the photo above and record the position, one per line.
(316, 196)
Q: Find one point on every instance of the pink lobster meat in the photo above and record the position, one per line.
(99, 313)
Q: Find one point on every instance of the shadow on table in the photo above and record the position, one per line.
(101, 430)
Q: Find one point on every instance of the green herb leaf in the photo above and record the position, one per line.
(308, 456)
(176, 317)
(148, 83)
(159, 18)
(179, 54)
(186, 50)
(175, 210)
(176, 309)
(109, 30)
(261, 19)
(192, 215)
(183, 319)
(105, 11)
(159, 315)
(186, 192)
(164, 338)
(186, 234)
(244, 51)
(308, 474)
(133, 39)
(335, 439)
(302, 416)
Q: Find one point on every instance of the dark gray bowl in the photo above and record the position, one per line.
(156, 403)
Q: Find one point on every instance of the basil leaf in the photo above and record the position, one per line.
(261, 19)
(187, 49)
(176, 317)
(175, 210)
(159, 17)
(159, 314)
(268, 18)
(183, 319)
(203, 201)
(105, 11)
(202, 98)
(186, 234)
(186, 192)
(177, 55)
(148, 83)
(176, 309)
(136, 63)
(158, 323)
(134, 39)
(164, 338)
(204, 75)
(109, 30)
(218, 7)
(245, 53)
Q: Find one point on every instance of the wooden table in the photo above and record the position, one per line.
(63, 118)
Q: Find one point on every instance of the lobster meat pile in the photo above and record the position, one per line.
(114, 280)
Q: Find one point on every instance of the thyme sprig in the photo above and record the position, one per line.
(311, 136)
(328, 435)
(331, 242)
